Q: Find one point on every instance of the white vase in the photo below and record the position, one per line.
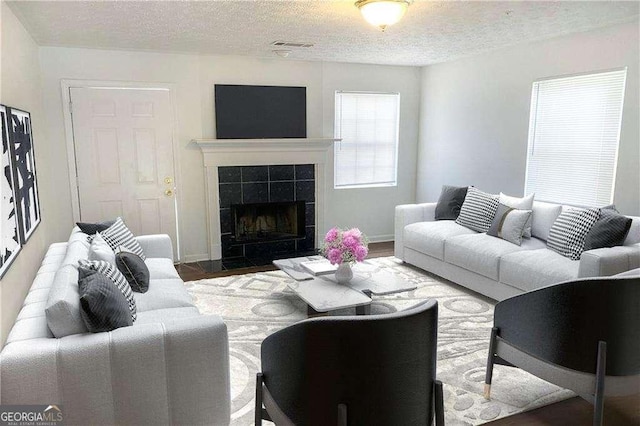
(344, 273)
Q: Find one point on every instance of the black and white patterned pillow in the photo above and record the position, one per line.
(568, 233)
(119, 235)
(478, 210)
(116, 276)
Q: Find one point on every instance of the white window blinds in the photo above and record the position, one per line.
(574, 130)
(367, 123)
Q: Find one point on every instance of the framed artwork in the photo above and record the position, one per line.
(25, 187)
(9, 229)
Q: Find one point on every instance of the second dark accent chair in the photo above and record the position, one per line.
(353, 370)
(581, 335)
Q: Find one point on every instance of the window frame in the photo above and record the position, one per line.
(533, 112)
(336, 129)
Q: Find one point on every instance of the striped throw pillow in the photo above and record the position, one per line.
(478, 210)
(569, 231)
(112, 272)
(119, 235)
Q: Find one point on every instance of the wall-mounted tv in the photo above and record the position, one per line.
(256, 112)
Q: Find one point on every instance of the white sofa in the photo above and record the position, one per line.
(495, 267)
(170, 367)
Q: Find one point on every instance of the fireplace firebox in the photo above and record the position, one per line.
(275, 221)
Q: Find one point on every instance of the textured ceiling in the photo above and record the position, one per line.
(430, 32)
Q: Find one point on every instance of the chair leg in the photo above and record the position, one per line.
(439, 402)
(490, 360)
(342, 415)
(601, 370)
(258, 416)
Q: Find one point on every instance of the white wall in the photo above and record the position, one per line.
(20, 88)
(475, 112)
(373, 209)
(193, 78)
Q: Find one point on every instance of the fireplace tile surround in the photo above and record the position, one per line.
(263, 184)
(220, 155)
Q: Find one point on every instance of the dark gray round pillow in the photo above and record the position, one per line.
(134, 270)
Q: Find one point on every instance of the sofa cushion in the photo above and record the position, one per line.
(166, 315)
(161, 268)
(633, 237)
(544, 215)
(429, 237)
(29, 328)
(631, 273)
(536, 268)
(481, 253)
(63, 303)
(163, 293)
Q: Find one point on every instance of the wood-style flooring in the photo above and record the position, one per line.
(619, 411)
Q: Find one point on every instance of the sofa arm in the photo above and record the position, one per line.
(158, 245)
(407, 214)
(175, 372)
(609, 261)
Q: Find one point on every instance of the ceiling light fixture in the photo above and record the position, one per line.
(382, 13)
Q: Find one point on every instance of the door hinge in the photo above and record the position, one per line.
(71, 107)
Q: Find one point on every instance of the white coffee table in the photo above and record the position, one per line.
(323, 293)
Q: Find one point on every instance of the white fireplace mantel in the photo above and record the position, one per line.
(261, 152)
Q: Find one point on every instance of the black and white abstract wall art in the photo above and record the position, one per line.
(10, 242)
(24, 172)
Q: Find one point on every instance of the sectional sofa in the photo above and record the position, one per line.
(170, 367)
(495, 267)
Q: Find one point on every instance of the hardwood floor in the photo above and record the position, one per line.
(619, 411)
(203, 270)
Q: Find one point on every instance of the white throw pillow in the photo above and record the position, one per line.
(544, 216)
(525, 203)
(100, 250)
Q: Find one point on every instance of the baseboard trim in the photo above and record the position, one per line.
(380, 238)
(190, 258)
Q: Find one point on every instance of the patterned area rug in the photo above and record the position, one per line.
(256, 305)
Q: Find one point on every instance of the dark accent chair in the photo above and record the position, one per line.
(353, 370)
(581, 335)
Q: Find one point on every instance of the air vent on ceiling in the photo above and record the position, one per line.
(291, 44)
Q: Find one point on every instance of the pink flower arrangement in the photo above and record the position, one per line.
(342, 246)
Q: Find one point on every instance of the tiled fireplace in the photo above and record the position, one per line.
(258, 171)
(267, 211)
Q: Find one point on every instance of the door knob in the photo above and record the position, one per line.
(168, 180)
(168, 192)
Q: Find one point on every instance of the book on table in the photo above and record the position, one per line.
(319, 267)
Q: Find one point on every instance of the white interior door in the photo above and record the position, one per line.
(124, 158)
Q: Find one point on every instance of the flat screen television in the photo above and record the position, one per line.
(256, 112)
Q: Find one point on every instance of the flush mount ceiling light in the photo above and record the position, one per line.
(383, 13)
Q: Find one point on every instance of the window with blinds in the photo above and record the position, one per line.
(574, 131)
(367, 123)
